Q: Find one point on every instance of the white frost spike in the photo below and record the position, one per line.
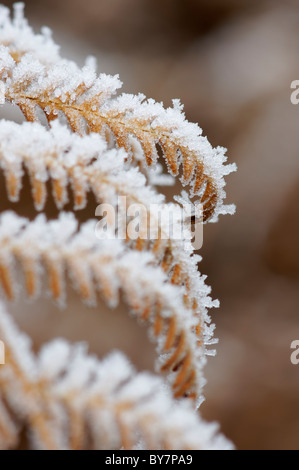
(6, 62)
(21, 38)
(18, 19)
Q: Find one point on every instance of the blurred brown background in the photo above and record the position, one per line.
(231, 63)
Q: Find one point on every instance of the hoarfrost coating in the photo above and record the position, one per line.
(127, 116)
(64, 378)
(102, 146)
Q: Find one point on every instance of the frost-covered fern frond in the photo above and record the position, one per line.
(69, 400)
(87, 165)
(108, 267)
(84, 141)
(66, 159)
(85, 99)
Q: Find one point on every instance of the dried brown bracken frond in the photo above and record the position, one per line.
(60, 87)
(72, 401)
(108, 267)
(108, 147)
(87, 165)
(67, 160)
